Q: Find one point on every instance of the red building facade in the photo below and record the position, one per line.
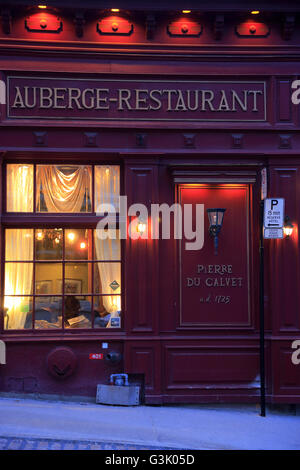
(161, 106)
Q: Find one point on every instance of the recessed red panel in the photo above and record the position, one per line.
(252, 28)
(43, 22)
(114, 25)
(184, 27)
(214, 288)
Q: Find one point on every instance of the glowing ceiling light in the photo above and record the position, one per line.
(42, 6)
(115, 10)
(255, 12)
(40, 236)
(186, 11)
(82, 245)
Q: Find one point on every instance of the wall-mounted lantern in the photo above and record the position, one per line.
(288, 227)
(215, 217)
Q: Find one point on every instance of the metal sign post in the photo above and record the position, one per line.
(271, 226)
(262, 313)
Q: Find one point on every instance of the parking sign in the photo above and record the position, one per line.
(274, 213)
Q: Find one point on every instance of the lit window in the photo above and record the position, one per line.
(54, 281)
(62, 188)
(64, 277)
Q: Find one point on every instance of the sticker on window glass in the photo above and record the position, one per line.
(114, 285)
(115, 322)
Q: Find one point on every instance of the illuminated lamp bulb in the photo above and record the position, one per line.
(57, 240)
(288, 227)
(115, 10)
(255, 12)
(39, 236)
(42, 7)
(186, 11)
(71, 236)
(82, 245)
(141, 227)
(107, 171)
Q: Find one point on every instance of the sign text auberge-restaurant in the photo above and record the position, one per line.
(116, 99)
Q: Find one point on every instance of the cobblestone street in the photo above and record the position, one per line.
(14, 443)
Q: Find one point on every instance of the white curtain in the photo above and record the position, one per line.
(19, 188)
(18, 276)
(109, 249)
(107, 185)
(64, 189)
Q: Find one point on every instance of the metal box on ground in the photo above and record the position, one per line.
(120, 394)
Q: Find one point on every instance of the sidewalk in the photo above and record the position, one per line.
(183, 426)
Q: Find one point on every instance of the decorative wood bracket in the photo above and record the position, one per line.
(218, 28)
(40, 138)
(150, 27)
(6, 21)
(288, 27)
(237, 141)
(285, 141)
(141, 140)
(189, 140)
(79, 22)
(90, 139)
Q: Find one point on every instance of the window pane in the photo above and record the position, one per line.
(19, 183)
(107, 310)
(78, 244)
(107, 186)
(107, 278)
(78, 278)
(18, 278)
(48, 313)
(108, 249)
(48, 278)
(63, 188)
(48, 243)
(19, 244)
(78, 311)
(17, 313)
